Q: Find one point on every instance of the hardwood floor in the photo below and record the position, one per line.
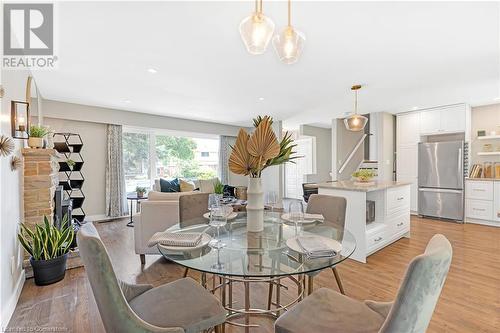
(470, 301)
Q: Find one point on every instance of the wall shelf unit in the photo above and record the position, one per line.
(489, 153)
(489, 137)
(71, 178)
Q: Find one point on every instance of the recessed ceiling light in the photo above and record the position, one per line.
(127, 101)
(415, 108)
(261, 98)
(152, 71)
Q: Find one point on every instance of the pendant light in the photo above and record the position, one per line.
(290, 42)
(355, 122)
(256, 30)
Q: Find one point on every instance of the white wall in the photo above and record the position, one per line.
(11, 207)
(323, 152)
(62, 110)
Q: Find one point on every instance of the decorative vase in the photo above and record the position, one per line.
(35, 142)
(255, 205)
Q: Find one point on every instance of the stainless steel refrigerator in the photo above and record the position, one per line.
(441, 180)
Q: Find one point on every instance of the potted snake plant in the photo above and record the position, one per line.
(49, 248)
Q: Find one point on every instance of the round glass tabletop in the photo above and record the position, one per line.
(261, 254)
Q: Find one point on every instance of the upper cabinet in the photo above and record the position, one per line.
(430, 122)
(449, 119)
(408, 128)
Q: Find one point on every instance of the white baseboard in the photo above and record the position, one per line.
(8, 309)
(103, 218)
(483, 222)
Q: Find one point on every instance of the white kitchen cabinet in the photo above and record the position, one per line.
(408, 128)
(496, 202)
(453, 119)
(407, 161)
(430, 122)
(482, 203)
(449, 119)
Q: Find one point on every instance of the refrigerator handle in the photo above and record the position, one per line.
(460, 163)
(439, 190)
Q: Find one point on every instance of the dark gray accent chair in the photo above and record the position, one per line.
(328, 311)
(182, 306)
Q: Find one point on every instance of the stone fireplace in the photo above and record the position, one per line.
(40, 177)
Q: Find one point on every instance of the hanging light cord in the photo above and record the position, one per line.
(289, 13)
(355, 102)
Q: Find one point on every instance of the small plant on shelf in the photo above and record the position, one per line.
(218, 187)
(70, 163)
(140, 191)
(48, 247)
(36, 135)
(364, 175)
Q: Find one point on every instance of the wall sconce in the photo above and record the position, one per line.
(19, 119)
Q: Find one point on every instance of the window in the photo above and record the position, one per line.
(136, 160)
(149, 154)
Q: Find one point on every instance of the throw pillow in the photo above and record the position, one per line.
(186, 186)
(229, 191)
(207, 185)
(170, 185)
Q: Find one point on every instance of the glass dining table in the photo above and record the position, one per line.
(258, 257)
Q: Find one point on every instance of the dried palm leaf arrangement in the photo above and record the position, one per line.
(6, 145)
(251, 154)
(15, 163)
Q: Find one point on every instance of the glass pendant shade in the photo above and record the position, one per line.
(289, 44)
(355, 122)
(256, 32)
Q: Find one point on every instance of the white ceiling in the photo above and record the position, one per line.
(407, 54)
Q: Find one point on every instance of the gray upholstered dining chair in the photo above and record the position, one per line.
(333, 210)
(328, 311)
(182, 306)
(191, 210)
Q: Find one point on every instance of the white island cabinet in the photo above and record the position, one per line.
(392, 213)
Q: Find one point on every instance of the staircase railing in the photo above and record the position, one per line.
(351, 155)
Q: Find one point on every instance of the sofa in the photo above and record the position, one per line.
(159, 212)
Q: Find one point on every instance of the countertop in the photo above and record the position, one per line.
(484, 179)
(349, 185)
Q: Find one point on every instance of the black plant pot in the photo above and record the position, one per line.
(49, 271)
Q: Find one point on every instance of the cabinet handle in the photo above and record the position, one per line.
(479, 189)
(400, 198)
(400, 224)
(378, 239)
(479, 209)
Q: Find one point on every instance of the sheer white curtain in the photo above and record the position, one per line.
(116, 195)
(225, 143)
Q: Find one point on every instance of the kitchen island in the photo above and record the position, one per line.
(391, 219)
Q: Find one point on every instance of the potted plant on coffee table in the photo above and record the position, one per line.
(36, 135)
(49, 248)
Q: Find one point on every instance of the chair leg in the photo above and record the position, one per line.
(219, 328)
(186, 271)
(143, 259)
(310, 284)
(339, 281)
(270, 295)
